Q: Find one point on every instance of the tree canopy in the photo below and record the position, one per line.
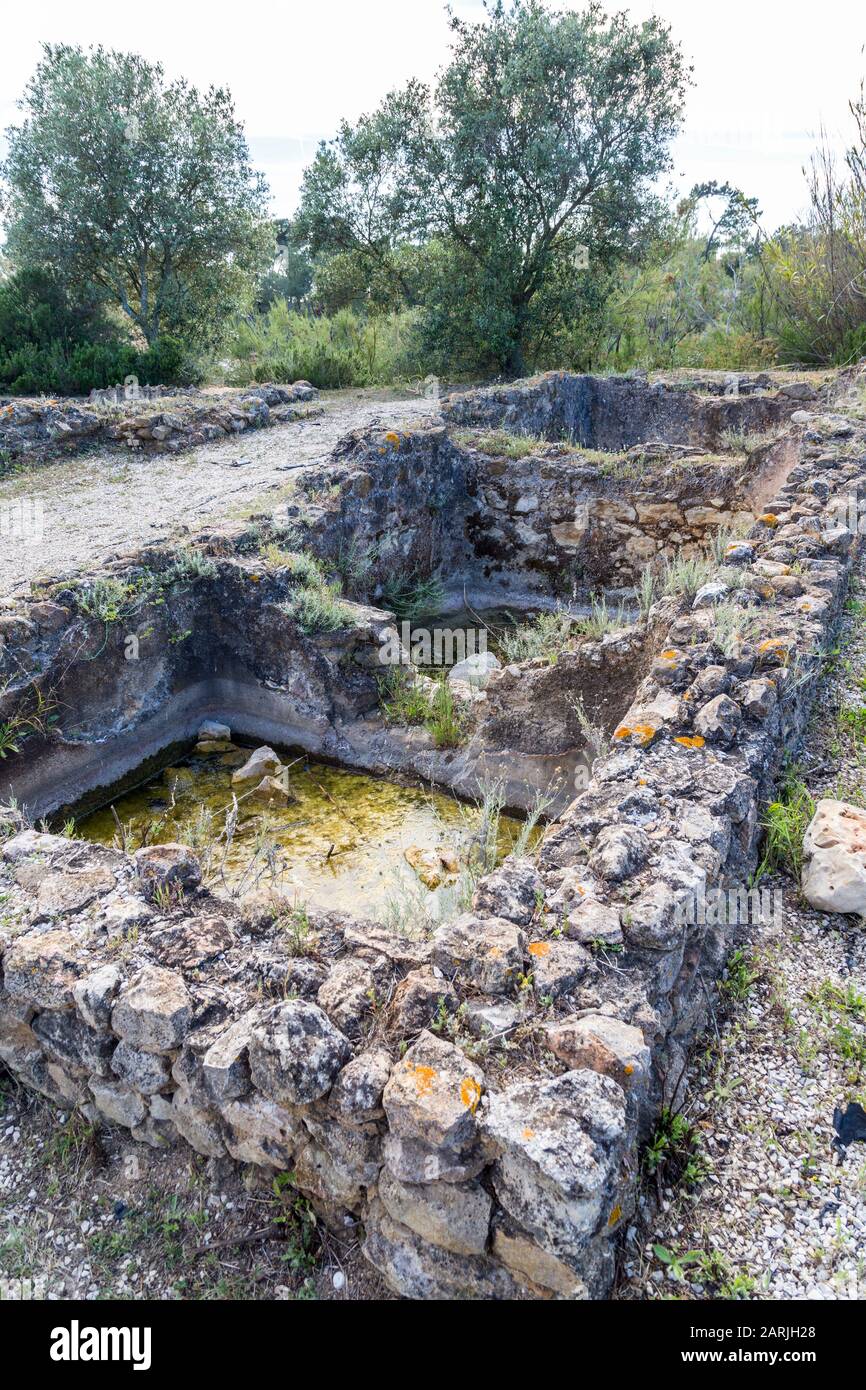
(120, 179)
(544, 135)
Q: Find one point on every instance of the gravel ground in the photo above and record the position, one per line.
(109, 501)
(780, 1214)
(95, 1215)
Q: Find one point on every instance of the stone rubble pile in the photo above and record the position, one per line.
(31, 429)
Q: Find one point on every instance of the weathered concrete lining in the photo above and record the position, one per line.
(84, 776)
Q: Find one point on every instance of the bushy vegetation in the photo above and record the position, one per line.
(54, 344)
(347, 348)
(409, 702)
(543, 636)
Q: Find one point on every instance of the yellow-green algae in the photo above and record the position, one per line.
(339, 845)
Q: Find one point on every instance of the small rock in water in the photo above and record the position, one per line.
(272, 792)
(210, 729)
(433, 866)
(262, 763)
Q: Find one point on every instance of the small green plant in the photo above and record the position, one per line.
(69, 1145)
(678, 1264)
(744, 441)
(647, 591)
(600, 619)
(785, 823)
(28, 722)
(318, 609)
(444, 720)
(674, 1152)
(404, 700)
(188, 566)
(738, 1286)
(105, 599)
(294, 1213)
(596, 741)
(412, 596)
(684, 575)
(741, 976)
(303, 567)
(297, 931)
(543, 636)
(527, 836)
(500, 443)
(353, 562)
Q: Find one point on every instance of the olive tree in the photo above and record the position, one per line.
(143, 187)
(526, 172)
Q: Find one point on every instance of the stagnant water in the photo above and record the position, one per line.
(341, 843)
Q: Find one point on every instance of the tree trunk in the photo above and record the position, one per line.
(516, 364)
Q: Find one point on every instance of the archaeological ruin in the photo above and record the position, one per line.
(466, 1075)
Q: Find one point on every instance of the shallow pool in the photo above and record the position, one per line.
(341, 842)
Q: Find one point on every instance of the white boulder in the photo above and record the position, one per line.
(834, 858)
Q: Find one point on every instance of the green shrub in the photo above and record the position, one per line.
(785, 823)
(543, 636)
(318, 609)
(300, 565)
(343, 349)
(403, 700)
(59, 369)
(411, 597)
(444, 720)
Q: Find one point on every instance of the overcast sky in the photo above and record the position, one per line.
(767, 72)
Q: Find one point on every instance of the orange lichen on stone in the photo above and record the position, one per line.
(539, 948)
(392, 437)
(670, 655)
(769, 519)
(615, 1215)
(690, 740)
(424, 1078)
(645, 732)
(529, 1134)
(470, 1093)
(622, 732)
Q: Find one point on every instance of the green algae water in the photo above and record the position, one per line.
(340, 844)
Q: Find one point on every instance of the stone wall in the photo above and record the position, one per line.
(562, 521)
(616, 412)
(33, 430)
(476, 1099)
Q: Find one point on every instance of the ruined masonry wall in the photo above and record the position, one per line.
(476, 1172)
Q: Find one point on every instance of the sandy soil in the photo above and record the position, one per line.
(98, 504)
